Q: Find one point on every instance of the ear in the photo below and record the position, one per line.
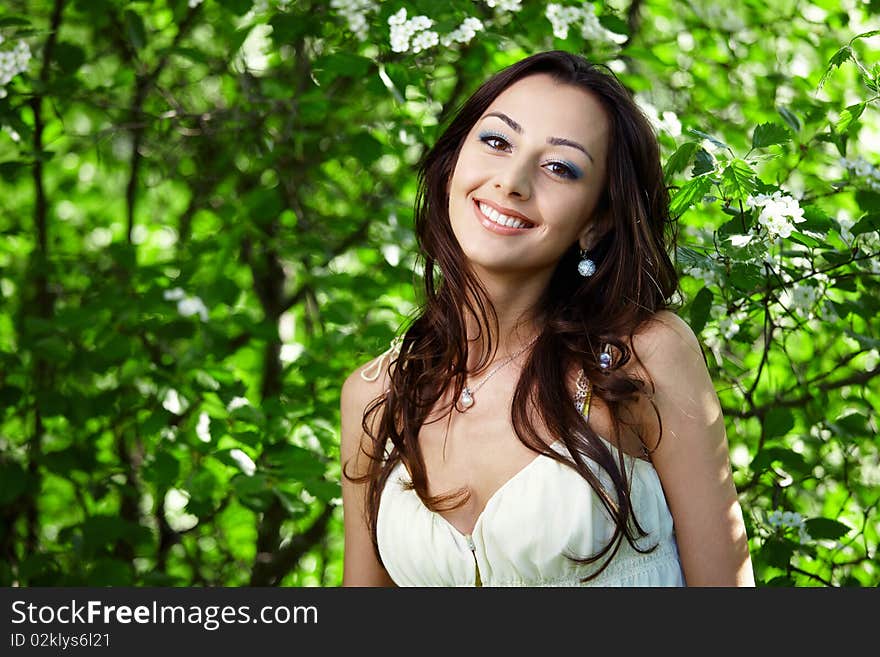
(593, 231)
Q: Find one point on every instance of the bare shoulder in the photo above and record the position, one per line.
(361, 387)
(664, 338)
(365, 383)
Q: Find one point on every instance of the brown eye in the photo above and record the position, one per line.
(494, 141)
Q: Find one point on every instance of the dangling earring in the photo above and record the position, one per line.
(586, 267)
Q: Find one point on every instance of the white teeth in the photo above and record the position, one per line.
(501, 219)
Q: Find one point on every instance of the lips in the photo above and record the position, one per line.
(503, 221)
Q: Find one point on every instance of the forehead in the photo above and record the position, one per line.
(545, 107)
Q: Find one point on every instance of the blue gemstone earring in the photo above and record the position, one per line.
(605, 357)
(586, 267)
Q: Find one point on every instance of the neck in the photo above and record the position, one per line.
(514, 298)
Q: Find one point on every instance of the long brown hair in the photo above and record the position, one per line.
(634, 279)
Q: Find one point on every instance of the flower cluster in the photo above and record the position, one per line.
(561, 17)
(722, 327)
(464, 32)
(708, 276)
(861, 168)
(783, 520)
(800, 298)
(505, 5)
(667, 121)
(778, 211)
(416, 28)
(13, 62)
(355, 12)
(187, 305)
(195, 3)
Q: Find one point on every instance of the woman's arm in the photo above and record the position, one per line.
(360, 565)
(692, 456)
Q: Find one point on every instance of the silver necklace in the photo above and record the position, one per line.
(466, 399)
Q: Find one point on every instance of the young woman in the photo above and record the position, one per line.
(546, 420)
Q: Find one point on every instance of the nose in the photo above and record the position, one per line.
(514, 179)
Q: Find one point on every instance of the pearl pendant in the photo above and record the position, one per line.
(467, 398)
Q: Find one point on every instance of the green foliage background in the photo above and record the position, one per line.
(257, 158)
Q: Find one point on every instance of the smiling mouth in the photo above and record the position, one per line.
(502, 219)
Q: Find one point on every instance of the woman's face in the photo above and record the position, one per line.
(529, 175)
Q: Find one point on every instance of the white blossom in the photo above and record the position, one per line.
(416, 28)
(861, 168)
(666, 121)
(174, 294)
(174, 403)
(13, 62)
(464, 32)
(784, 520)
(708, 276)
(741, 240)
(778, 211)
(845, 222)
(174, 504)
(424, 40)
(237, 402)
(194, 3)
(193, 306)
(355, 12)
(505, 5)
(562, 17)
(244, 462)
(727, 324)
(203, 428)
(187, 305)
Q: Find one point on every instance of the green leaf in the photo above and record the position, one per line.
(164, 471)
(815, 219)
(240, 7)
(700, 307)
(679, 160)
(13, 169)
(705, 135)
(826, 528)
(689, 193)
(836, 60)
(738, 180)
(9, 396)
(865, 35)
(10, 21)
(778, 422)
(778, 551)
(789, 459)
(703, 163)
(345, 64)
(867, 224)
(790, 118)
(868, 200)
(847, 117)
(13, 482)
(134, 28)
(746, 276)
(69, 56)
(367, 148)
(293, 462)
(253, 492)
(767, 134)
(614, 24)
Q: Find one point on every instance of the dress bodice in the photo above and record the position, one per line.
(545, 511)
(521, 538)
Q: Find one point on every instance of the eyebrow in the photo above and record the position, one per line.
(556, 141)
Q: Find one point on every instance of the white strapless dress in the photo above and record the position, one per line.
(521, 537)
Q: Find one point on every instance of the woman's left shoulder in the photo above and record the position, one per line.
(665, 339)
